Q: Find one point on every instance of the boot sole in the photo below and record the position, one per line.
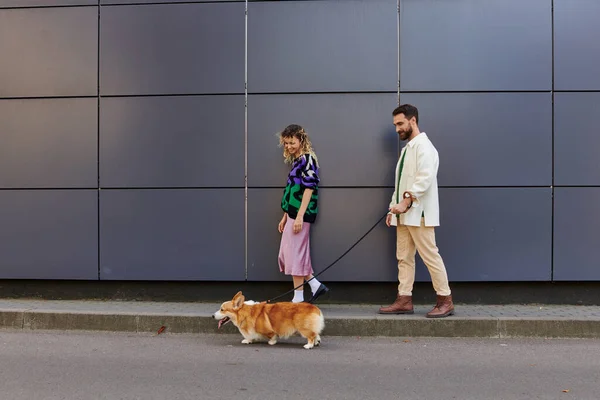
(441, 315)
(396, 312)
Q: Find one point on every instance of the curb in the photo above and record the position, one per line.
(334, 326)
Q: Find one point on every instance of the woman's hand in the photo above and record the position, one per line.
(282, 223)
(298, 224)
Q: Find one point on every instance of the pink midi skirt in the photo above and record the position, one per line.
(294, 250)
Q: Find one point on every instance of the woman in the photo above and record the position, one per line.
(299, 204)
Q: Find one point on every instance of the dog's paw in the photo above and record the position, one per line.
(272, 341)
(246, 341)
(308, 346)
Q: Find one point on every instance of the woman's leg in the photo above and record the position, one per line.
(299, 292)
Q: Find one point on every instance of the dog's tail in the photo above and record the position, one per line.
(320, 322)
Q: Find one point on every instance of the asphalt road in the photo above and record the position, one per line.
(68, 365)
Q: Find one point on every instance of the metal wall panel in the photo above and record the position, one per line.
(322, 46)
(109, 2)
(47, 143)
(494, 234)
(576, 140)
(480, 239)
(344, 216)
(488, 139)
(178, 234)
(49, 234)
(172, 49)
(45, 3)
(352, 134)
(49, 52)
(264, 213)
(475, 45)
(576, 221)
(188, 141)
(576, 47)
(295, 48)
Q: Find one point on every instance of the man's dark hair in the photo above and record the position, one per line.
(408, 110)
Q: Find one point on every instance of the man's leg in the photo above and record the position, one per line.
(405, 254)
(424, 239)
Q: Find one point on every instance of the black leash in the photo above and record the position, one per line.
(331, 265)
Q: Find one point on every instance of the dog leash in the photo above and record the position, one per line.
(333, 263)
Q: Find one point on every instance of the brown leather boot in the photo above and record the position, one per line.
(443, 308)
(402, 305)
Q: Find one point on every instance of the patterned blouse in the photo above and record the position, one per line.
(304, 175)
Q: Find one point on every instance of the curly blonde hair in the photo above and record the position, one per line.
(298, 132)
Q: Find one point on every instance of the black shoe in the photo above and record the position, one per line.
(321, 290)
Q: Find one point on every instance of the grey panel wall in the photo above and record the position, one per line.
(481, 76)
(190, 141)
(48, 234)
(576, 221)
(577, 176)
(478, 147)
(352, 134)
(172, 49)
(109, 2)
(164, 140)
(49, 52)
(576, 141)
(45, 3)
(48, 143)
(337, 228)
(322, 46)
(136, 114)
(475, 45)
(483, 239)
(172, 234)
(576, 52)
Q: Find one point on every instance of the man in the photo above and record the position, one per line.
(414, 210)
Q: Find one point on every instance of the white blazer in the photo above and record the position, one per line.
(419, 177)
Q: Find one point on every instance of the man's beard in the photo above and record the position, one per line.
(406, 134)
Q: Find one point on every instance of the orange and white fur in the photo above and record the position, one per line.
(264, 321)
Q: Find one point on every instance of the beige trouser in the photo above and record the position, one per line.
(410, 239)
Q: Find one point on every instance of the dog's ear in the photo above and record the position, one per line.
(238, 300)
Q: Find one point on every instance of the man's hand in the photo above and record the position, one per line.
(388, 220)
(401, 207)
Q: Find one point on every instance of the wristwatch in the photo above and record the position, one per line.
(407, 195)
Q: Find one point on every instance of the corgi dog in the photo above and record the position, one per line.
(263, 321)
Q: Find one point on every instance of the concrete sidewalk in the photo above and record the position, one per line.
(550, 321)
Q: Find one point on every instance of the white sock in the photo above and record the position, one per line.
(298, 296)
(314, 285)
